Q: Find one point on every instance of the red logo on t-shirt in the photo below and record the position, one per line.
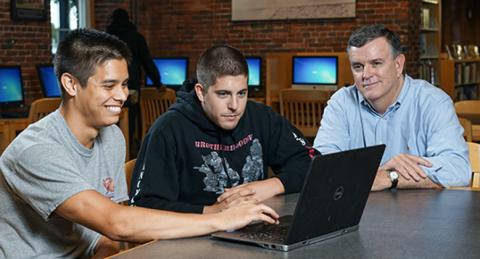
(109, 187)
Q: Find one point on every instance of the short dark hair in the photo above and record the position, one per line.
(370, 32)
(82, 50)
(218, 61)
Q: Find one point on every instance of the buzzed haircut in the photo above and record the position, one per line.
(82, 50)
(367, 33)
(218, 61)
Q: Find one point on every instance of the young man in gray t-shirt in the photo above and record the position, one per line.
(61, 179)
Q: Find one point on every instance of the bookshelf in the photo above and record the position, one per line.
(460, 78)
(430, 40)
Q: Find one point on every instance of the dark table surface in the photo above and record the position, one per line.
(402, 224)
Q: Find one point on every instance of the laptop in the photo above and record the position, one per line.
(331, 202)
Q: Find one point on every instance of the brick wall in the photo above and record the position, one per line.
(24, 43)
(187, 27)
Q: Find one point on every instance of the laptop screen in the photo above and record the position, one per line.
(48, 80)
(11, 85)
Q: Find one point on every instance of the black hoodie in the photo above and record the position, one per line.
(186, 161)
(127, 32)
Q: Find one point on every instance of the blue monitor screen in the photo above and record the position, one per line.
(173, 71)
(315, 70)
(11, 86)
(254, 71)
(49, 81)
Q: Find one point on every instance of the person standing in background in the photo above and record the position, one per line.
(127, 32)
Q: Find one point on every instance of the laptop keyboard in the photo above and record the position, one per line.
(269, 233)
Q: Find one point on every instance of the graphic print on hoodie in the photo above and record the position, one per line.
(219, 175)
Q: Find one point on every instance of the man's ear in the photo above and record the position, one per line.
(199, 91)
(69, 83)
(400, 64)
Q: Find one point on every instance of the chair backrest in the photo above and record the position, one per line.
(304, 108)
(467, 128)
(152, 104)
(469, 109)
(42, 107)
(123, 125)
(129, 166)
(474, 155)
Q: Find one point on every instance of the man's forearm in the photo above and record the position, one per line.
(383, 182)
(163, 204)
(173, 225)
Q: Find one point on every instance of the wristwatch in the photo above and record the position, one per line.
(393, 175)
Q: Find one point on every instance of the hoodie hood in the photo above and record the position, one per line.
(188, 105)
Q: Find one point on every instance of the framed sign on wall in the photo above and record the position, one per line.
(28, 9)
(254, 10)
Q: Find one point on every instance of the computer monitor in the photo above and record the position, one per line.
(48, 81)
(173, 71)
(254, 73)
(11, 86)
(315, 72)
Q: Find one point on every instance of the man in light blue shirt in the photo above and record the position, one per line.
(414, 119)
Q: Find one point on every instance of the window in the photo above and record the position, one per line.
(66, 16)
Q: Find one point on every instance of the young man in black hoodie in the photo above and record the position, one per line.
(212, 149)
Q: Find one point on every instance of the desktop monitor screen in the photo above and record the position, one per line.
(48, 80)
(315, 70)
(173, 71)
(11, 85)
(254, 73)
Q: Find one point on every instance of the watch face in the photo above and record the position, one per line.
(393, 175)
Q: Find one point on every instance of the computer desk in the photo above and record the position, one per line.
(401, 224)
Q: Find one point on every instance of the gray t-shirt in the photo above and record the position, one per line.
(44, 166)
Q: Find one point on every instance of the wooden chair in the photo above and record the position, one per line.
(467, 128)
(123, 125)
(42, 107)
(304, 108)
(474, 155)
(470, 110)
(152, 104)
(129, 166)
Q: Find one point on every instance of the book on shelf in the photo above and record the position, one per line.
(423, 45)
(425, 18)
(428, 72)
(467, 73)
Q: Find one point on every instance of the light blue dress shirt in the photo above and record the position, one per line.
(422, 122)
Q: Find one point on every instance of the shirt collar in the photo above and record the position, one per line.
(401, 97)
